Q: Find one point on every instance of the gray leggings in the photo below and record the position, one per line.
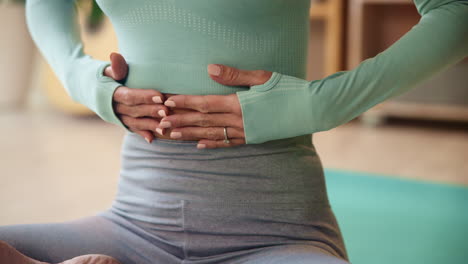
(253, 204)
(130, 243)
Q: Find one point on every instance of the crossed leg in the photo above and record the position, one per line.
(89, 240)
(97, 240)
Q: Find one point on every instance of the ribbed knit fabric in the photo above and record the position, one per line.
(169, 43)
(287, 106)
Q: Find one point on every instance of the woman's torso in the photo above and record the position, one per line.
(169, 43)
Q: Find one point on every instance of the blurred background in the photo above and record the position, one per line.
(53, 150)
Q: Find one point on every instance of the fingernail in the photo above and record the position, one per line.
(169, 103)
(162, 113)
(214, 69)
(148, 140)
(157, 99)
(176, 135)
(201, 146)
(165, 124)
(160, 131)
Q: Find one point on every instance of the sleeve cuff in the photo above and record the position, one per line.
(105, 92)
(272, 110)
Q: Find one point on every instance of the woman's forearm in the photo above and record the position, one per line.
(54, 28)
(288, 106)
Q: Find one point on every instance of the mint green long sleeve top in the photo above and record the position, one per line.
(169, 43)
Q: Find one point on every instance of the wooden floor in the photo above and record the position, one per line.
(54, 167)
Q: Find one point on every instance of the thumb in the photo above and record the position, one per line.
(118, 69)
(232, 76)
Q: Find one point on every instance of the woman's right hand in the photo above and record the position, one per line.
(139, 109)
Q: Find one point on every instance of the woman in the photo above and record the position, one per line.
(260, 202)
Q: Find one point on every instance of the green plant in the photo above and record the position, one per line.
(94, 18)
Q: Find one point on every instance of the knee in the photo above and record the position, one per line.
(9, 254)
(5, 251)
(92, 259)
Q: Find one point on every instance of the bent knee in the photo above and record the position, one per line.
(9, 254)
(5, 251)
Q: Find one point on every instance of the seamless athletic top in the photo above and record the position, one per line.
(169, 43)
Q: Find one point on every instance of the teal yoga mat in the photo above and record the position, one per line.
(399, 221)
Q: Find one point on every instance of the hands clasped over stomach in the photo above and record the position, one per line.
(201, 118)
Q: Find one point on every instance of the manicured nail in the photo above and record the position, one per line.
(162, 113)
(157, 99)
(160, 131)
(148, 140)
(176, 135)
(214, 69)
(112, 55)
(169, 103)
(201, 146)
(165, 124)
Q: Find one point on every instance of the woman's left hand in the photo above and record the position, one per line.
(212, 112)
